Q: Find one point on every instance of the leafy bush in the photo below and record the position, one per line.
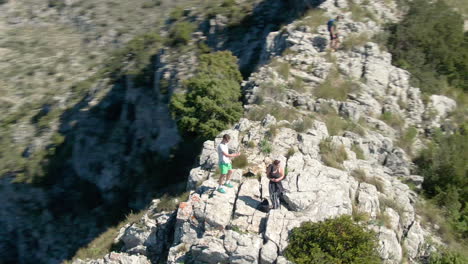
(446, 256)
(444, 168)
(180, 33)
(359, 12)
(333, 241)
(212, 99)
(431, 44)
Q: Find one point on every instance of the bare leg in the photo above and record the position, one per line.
(228, 176)
(221, 179)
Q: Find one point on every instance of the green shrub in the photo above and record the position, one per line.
(332, 156)
(444, 168)
(430, 42)
(251, 144)
(212, 99)
(447, 256)
(181, 33)
(265, 146)
(176, 13)
(240, 162)
(333, 241)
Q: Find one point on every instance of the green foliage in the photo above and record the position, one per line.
(240, 162)
(212, 99)
(332, 156)
(447, 256)
(265, 146)
(234, 11)
(180, 33)
(333, 241)
(431, 44)
(444, 168)
(176, 13)
(251, 144)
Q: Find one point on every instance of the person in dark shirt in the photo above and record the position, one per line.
(332, 29)
(275, 173)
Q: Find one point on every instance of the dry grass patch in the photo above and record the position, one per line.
(361, 176)
(332, 156)
(335, 87)
(104, 243)
(313, 18)
(355, 40)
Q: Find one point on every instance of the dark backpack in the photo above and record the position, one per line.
(264, 206)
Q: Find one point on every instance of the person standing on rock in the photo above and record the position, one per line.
(275, 174)
(334, 41)
(225, 165)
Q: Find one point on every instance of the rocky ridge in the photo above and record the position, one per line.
(227, 228)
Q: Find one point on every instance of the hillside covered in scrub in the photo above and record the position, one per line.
(112, 122)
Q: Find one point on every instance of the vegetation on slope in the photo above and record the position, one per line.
(338, 240)
(431, 44)
(212, 99)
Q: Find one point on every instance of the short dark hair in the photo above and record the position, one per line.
(226, 137)
(276, 162)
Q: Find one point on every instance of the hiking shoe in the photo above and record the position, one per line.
(221, 190)
(229, 185)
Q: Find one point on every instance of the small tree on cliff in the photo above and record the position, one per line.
(211, 102)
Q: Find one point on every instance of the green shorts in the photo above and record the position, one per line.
(225, 167)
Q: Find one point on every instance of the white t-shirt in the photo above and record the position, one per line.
(223, 148)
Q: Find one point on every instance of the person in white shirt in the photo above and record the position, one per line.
(225, 165)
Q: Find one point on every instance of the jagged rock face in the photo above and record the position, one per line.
(212, 227)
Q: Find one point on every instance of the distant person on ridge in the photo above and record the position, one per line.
(275, 173)
(334, 41)
(225, 164)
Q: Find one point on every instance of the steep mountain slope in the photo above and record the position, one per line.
(345, 125)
